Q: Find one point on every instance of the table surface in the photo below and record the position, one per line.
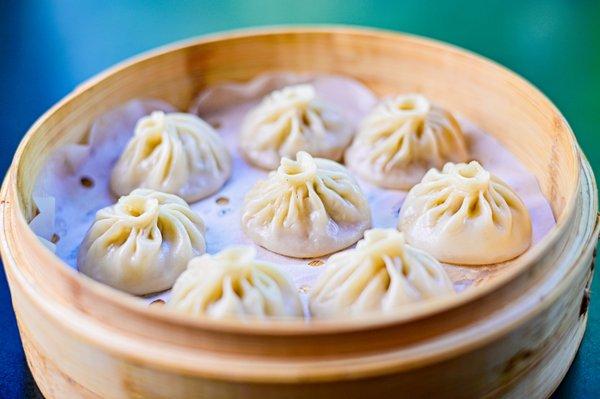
(48, 47)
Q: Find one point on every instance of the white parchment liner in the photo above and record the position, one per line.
(67, 206)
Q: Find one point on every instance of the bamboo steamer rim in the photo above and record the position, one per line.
(13, 207)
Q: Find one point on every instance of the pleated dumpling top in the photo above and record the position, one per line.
(234, 284)
(175, 153)
(142, 243)
(382, 274)
(307, 207)
(290, 120)
(463, 214)
(402, 138)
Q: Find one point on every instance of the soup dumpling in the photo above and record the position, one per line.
(234, 284)
(176, 153)
(463, 214)
(142, 243)
(401, 139)
(290, 120)
(382, 274)
(307, 207)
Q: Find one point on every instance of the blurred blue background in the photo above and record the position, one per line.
(48, 47)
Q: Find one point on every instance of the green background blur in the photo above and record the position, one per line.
(48, 47)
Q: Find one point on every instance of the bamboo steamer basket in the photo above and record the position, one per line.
(513, 333)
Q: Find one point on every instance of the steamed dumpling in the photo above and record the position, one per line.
(233, 283)
(307, 207)
(382, 273)
(402, 139)
(175, 153)
(142, 243)
(290, 120)
(466, 215)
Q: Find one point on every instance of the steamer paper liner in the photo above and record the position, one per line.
(60, 183)
(224, 106)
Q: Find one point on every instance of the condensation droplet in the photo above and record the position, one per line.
(304, 289)
(224, 211)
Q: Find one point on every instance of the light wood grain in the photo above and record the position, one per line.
(512, 336)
